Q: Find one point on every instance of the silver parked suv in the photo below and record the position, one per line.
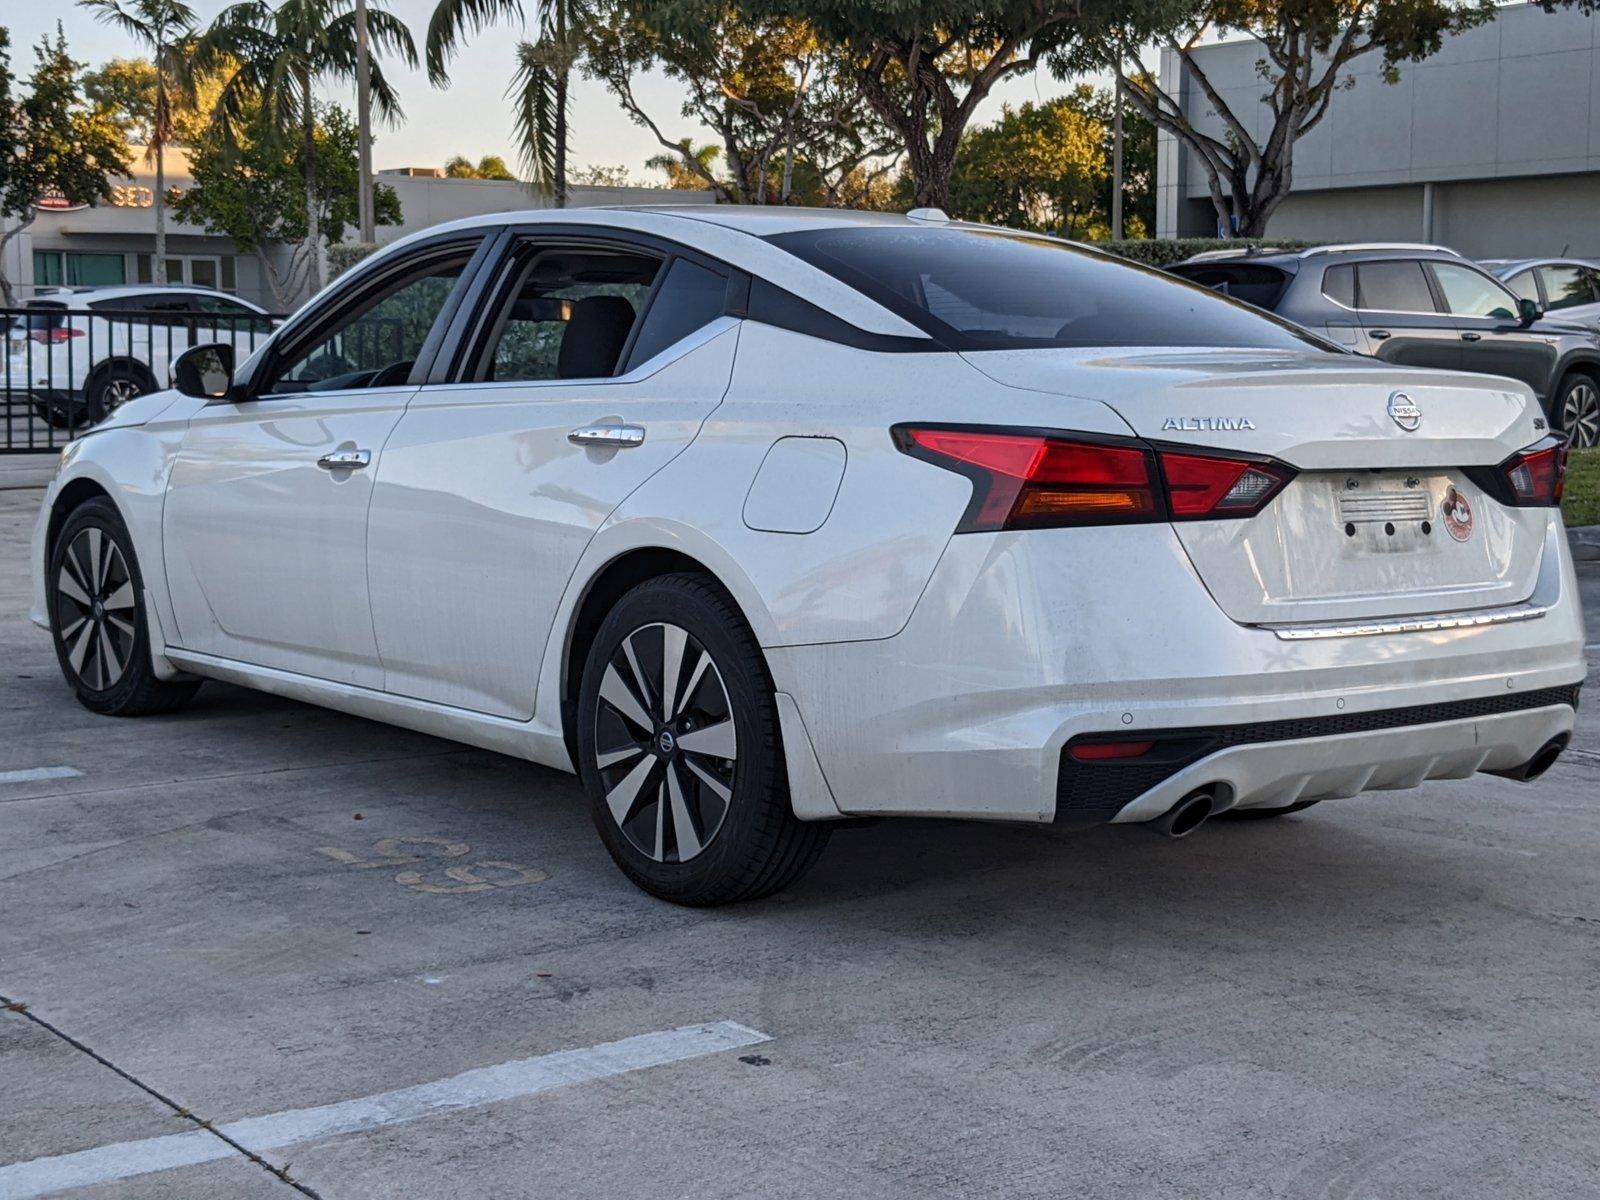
(1422, 306)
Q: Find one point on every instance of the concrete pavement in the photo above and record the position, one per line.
(253, 909)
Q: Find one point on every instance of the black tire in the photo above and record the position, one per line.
(1265, 814)
(752, 843)
(1576, 411)
(111, 386)
(104, 645)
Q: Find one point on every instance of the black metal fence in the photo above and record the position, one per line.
(66, 368)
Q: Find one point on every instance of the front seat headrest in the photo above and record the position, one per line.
(595, 335)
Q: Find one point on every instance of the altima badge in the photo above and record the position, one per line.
(1207, 424)
(1404, 411)
(1456, 514)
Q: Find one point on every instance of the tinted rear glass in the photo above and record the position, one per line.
(1399, 286)
(976, 289)
(1252, 283)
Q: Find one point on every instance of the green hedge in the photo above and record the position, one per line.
(1163, 252)
(346, 255)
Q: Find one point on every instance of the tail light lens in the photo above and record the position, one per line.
(54, 336)
(1537, 476)
(1025, 480)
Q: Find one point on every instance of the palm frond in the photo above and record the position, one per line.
(533, 89)
(452, 21)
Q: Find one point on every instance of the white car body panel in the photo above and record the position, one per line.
(918, 671)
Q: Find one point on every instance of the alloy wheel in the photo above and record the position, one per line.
(665, 745)
(117, 392)
(95, 609)
(1580, 414)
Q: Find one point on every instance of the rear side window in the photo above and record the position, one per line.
(1339, 285)
(1567, 287)
(1253, 283)
(689, 297)
(1399, 286)
(978, 289)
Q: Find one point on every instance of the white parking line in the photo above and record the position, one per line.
(34, 774)
(470, 1089)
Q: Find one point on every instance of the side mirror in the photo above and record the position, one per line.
(205, 372)
(1528, 311)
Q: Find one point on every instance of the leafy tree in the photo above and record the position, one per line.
(542, 79)
(924, 66)
(1138, 162)
(683, 175)
(1307, 47)
(162, 28)
(1038, 166)
(783, 104)
(249, 185)
(126, 89)
(50, 138)
(601, 176)
(490, 166)
(275, 57)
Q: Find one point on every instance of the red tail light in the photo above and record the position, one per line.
(1026, 480)
(1200, 486)
(1101, 751)
(47, 336)
(1537, 476)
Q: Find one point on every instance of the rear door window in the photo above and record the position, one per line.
(1339, 285)
(1567, 287)
(689, 298)
(1253, 283)
(1398, 286)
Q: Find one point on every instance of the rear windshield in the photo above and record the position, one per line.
(1252, 283)
(975, 289)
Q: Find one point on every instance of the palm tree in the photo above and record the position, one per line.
(542, 79)
(275, 57)
(162, 28)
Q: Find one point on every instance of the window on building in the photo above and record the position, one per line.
(1398, 286)
(77, 268)
(1567, 286)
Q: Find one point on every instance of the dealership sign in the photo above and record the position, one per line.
(54, 200)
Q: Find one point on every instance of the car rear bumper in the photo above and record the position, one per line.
(1022, 643)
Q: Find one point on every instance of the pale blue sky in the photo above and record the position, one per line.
(471, 117)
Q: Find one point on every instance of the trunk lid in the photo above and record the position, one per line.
(1381, 521)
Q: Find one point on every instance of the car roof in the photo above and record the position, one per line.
(120, 291)
(1336, 253)
(1513, 265)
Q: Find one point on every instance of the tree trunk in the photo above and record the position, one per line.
(313, 216)
(8, 292)
(563, 77)
(158, 269)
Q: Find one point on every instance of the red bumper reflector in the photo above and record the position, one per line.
(1100, 751)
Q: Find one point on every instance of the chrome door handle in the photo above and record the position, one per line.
(618, 437)
(345, 460)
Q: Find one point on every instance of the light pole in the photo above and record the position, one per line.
(366, 219)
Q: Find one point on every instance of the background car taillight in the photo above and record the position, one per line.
(52, 336)
(1025, 480)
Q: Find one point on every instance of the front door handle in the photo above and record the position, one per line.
(618, 437)
(345, 460)
(1472, 337)
(1377, 335)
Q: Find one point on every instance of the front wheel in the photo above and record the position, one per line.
(97, 617)
(680, 751)
(112, 386)
(1577, 410)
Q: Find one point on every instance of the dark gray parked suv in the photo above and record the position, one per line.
(1422, 306)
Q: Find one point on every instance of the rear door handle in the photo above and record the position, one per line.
(618, 437)
(1377, 335)
(345, 460)
(1472, 337)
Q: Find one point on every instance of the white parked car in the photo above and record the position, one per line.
(760, 519)
(77, 354)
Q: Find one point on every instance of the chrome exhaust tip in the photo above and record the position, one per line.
(1187, 815)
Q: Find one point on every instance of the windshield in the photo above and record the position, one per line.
(979, 289)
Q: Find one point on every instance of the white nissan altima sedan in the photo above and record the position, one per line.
(760, 519)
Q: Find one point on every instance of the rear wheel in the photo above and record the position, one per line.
(1577, 410)
(97, 617)
(1264, 814)
(113, 385)
(680, 752)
